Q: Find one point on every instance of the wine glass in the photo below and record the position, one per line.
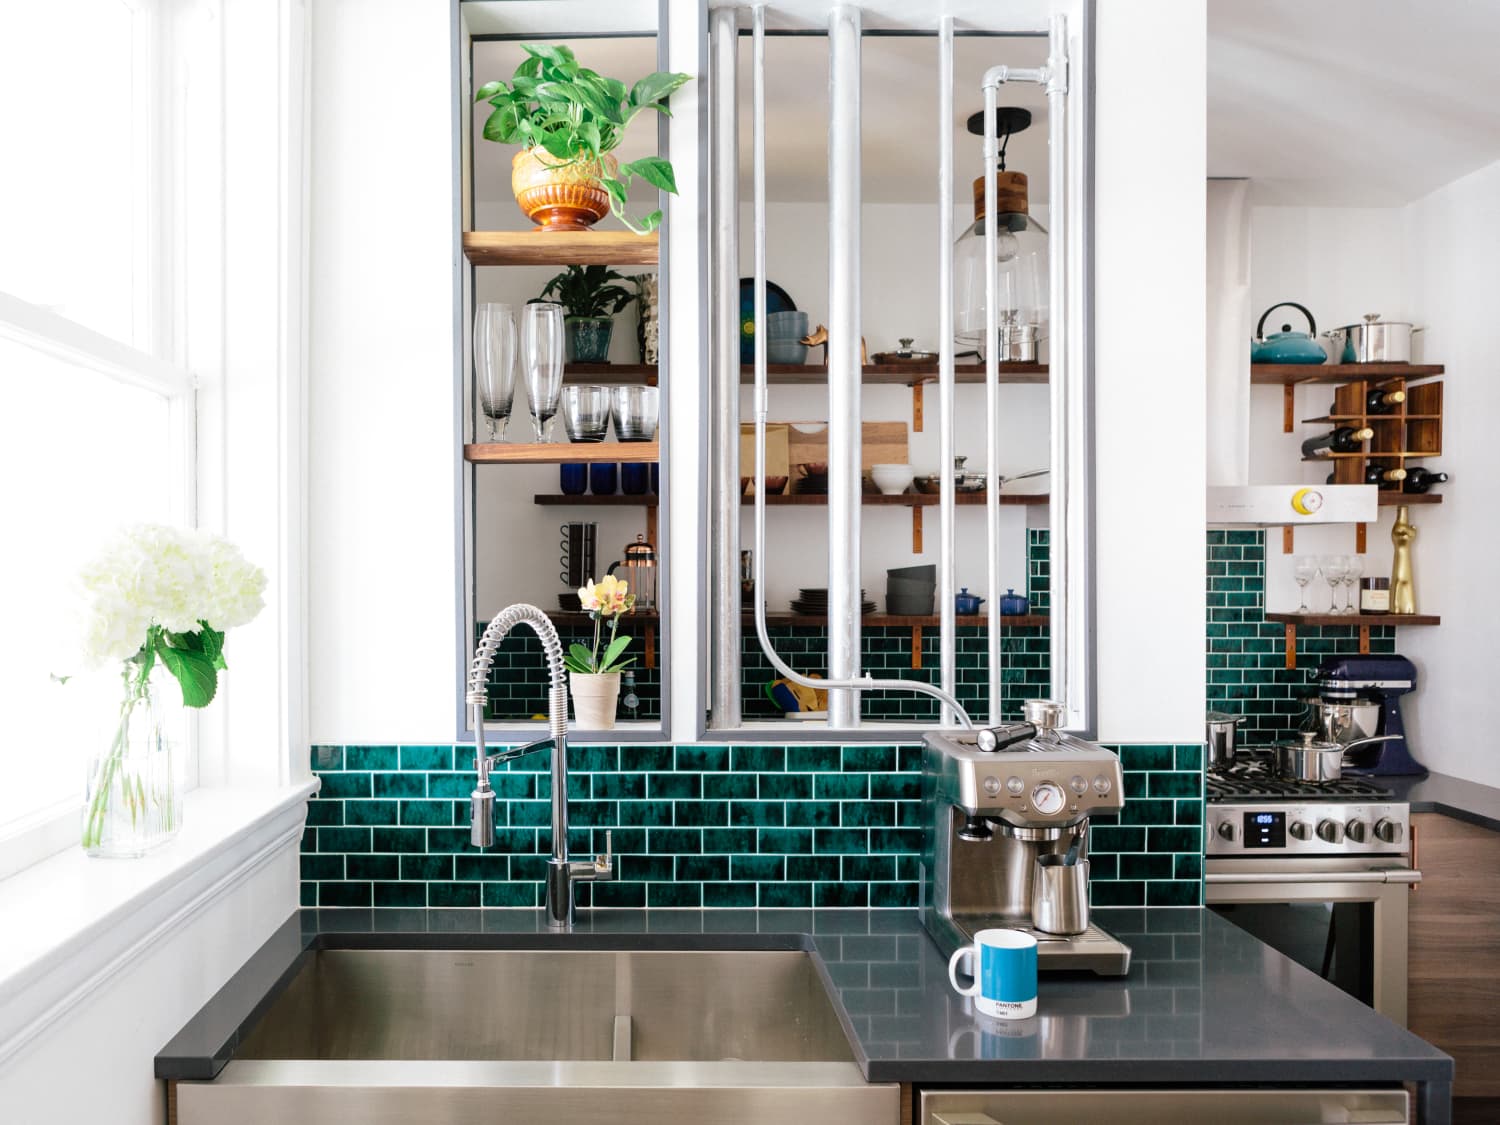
(1304, 570)
(1351, 580)
(542, 355)
(1334, 569)
(495, 364)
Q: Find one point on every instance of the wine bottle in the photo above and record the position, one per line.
(1420, 480)
(1383, 402)
(1344, 439)
(1377, 476)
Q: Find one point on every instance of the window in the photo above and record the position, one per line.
(98, 421)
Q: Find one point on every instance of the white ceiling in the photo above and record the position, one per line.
(1352, 102)
(899, 106)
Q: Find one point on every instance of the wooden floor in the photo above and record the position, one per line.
(1476, 1111)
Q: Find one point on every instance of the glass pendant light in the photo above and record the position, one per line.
(1020, 250)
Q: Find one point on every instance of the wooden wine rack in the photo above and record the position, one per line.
(1413, 430)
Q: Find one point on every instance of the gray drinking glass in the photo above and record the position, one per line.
(585, 411)
(495, 364)
(635, 412)
(542, 357)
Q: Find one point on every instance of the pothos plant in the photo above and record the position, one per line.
(585, 291)
(574, 114)
(607, 599)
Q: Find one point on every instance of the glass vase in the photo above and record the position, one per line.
(134, 798)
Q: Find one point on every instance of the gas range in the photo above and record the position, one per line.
(1252, 812)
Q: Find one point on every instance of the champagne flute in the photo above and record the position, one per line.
(1304, 570)
(495, 364)
(1351, 580)
(1334, 569)
(542, 354)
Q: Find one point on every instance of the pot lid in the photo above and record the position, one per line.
(1309, 740)
(1372, 320)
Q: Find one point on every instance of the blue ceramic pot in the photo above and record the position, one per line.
(1013, 604)
(966, 604)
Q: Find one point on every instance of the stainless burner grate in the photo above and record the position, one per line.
(1256, 780)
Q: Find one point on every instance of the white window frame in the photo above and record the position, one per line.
(209, 338)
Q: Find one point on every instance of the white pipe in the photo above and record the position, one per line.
(947, 626)
(1061, 373)
(992, 411)
(762, 400)
(844, 374)
(724, 382)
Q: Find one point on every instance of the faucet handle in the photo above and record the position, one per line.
(604, 865)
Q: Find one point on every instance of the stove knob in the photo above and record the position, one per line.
(1300, 830)
(1389, 831)
(1330, 831)
(1227, 829)
(1355, 830)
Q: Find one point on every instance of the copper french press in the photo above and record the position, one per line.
(638, 569)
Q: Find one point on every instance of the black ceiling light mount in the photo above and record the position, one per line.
(1009, 120)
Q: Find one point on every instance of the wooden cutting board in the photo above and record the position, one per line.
(884, 443)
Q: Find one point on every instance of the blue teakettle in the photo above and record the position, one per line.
(1287, 346)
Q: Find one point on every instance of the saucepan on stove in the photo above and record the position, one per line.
(1311, 758)
(1219, 734)
(1341, 722)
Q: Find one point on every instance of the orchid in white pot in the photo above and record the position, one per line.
(158, 600)
(594, 674)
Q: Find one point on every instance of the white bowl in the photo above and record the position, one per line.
(892, 479)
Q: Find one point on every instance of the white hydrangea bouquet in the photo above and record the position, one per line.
(156, 598)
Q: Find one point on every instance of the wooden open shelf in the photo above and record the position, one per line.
(905, 500)
(1364, 622)
(560, 248)
(1390, 498)
(1284, 374)
(561, 452)
(886, 620)
(816, 374)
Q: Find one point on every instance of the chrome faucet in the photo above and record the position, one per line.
(561, 872)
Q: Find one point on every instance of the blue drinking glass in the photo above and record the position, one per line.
(602, 478)
(635, 478)
(573, 478)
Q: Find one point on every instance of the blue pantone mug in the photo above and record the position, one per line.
(1004, 972)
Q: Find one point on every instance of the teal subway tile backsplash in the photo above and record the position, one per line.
(695, 825)
(1247, 673)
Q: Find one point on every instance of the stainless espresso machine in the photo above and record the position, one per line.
(1005, 838)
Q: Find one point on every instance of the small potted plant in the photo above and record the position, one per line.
(568, 120)
(594, 676)
(591, 300)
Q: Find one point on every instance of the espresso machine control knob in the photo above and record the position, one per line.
(1330, 831)
(1048, 799)
(1355, 830)
(1389, 831)
(1227, 829)
(1300, 830)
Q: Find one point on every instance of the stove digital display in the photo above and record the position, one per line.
(1265, 830)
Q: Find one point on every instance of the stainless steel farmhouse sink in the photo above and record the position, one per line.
(460, 1036)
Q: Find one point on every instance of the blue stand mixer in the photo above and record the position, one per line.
(1372, 686)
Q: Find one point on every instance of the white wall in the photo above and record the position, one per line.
(1150, 150)
(96, 1063)
(382, 496)
(1454, 285)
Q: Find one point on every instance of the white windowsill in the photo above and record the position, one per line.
(69, 922)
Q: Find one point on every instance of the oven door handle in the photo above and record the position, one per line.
(1382, 875)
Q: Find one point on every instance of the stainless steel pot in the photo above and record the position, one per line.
(1342, 722)
(1219, 734)
(1374, 341)
(1314, 759)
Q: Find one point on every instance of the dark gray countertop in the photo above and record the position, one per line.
(1452, 796)
(1204, 1001)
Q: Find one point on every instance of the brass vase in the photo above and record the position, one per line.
(1403, 584)
(561, 195)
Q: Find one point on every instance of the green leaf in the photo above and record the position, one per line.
(556, 54)
(581, 657)
(501, 125)
(588, 133)
(651, 222)
(656, 87)
(654, 170)
(614, 89)
(488, 90)
(194, 671)
(616, 647)
(616, 190)
(558, 144)
(530, 68)
(213, 645)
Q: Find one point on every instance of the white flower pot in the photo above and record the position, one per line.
(595, 699)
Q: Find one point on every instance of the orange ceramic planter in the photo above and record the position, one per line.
(559, 196)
